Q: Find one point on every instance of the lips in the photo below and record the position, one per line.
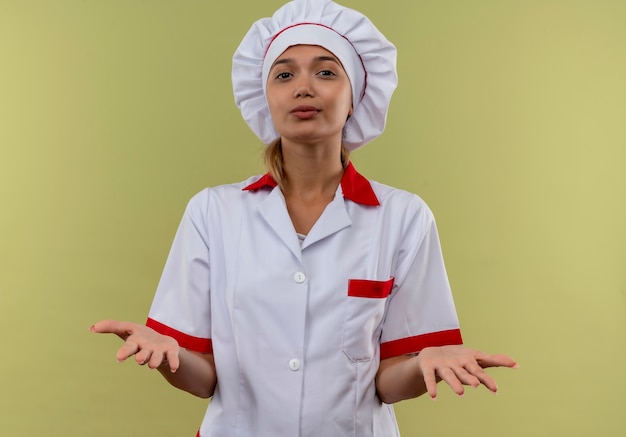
(305, 112)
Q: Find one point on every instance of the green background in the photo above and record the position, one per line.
(509, 120)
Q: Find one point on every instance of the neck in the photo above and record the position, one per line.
(311, 171)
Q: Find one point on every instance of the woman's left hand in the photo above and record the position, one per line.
(459, 366)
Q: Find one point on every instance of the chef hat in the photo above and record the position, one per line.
(368, 58)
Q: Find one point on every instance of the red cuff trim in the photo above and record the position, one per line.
(368, 288)
(197, 344)
(411, 345)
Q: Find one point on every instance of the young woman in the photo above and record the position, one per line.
(307, 300)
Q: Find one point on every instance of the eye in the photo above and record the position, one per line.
(283, 75)
(326, 73)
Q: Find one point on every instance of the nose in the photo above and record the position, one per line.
(303, 88)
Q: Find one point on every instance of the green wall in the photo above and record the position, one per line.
(509, 120)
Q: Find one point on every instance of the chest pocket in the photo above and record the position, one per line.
(365, 309)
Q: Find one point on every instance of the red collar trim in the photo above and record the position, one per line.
(265, 181)
(355, 187)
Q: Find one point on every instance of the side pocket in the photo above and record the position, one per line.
(365, 309)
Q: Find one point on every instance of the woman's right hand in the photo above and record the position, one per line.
(148, 346)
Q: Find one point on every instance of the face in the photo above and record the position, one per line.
(309, 95)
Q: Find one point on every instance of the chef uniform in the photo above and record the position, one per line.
(299, 324)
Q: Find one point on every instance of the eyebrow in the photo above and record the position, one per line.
(317, 59)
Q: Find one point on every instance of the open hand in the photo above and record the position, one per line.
(459, 366)
(148, 346)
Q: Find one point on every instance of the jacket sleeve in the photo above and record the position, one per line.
(181, 307)
(421, 311)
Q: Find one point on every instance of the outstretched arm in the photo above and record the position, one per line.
(187, 370)
(406, 377)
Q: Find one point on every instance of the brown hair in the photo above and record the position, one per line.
(273, 158)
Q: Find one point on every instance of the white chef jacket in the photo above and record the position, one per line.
(298, 329)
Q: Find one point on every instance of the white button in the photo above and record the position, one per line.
(294, 364)
(299, 277)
